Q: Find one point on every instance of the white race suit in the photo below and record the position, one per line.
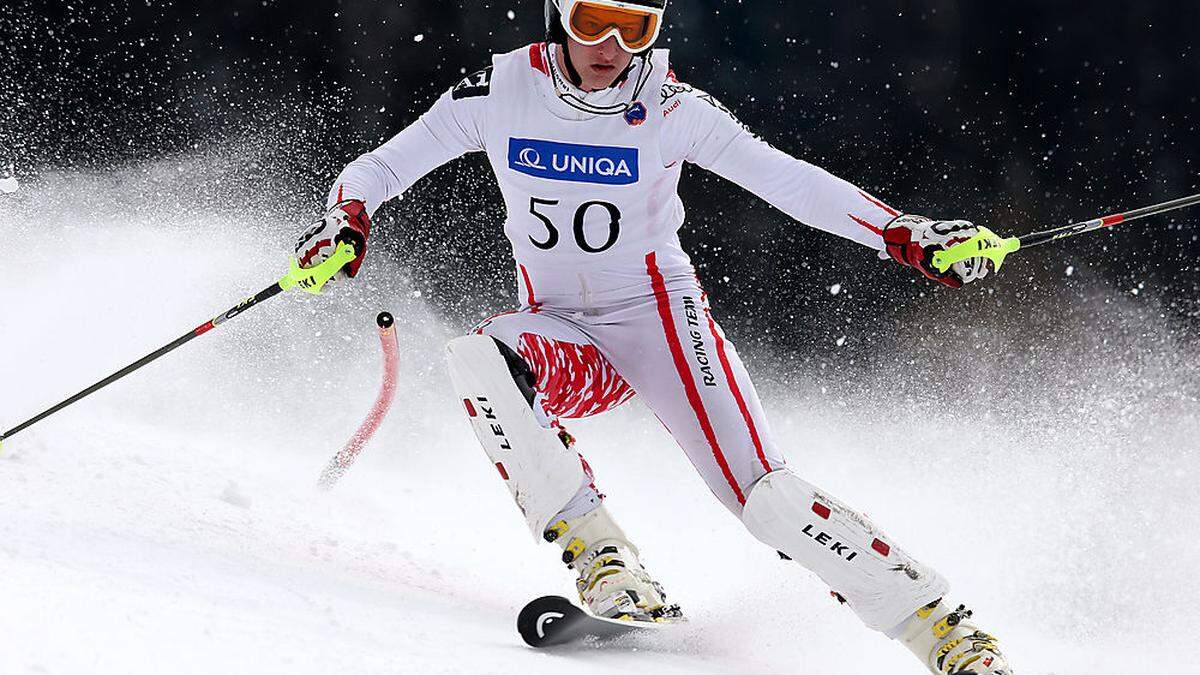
(610, 303)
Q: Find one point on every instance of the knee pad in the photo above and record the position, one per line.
(495, 386)
(881, 583)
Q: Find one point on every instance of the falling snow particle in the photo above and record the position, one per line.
(419, 37)
(1070, 270)
(835, 289)
(9, 185)
(841, 341)
(511, 15)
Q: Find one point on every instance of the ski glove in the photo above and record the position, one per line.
(347, 221)
(912, 241)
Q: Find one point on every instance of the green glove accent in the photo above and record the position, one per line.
(986, 244)
(313, 279)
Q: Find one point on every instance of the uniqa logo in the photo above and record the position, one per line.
(531, 159)
(573, 162)
(602, 166)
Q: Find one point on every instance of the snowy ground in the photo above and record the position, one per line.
(171, 524)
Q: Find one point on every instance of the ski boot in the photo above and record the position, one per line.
(612, 582)
(949, 644)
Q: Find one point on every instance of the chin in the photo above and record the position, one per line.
(597, 82)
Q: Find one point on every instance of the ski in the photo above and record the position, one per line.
(554, 620)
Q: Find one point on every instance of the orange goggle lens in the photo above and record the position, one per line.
(591, 23)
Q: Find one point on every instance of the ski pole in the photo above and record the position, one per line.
(988, 245)
(310, 280)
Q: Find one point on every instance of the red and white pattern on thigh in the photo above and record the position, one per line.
(575, 380)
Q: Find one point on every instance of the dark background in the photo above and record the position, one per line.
(1021, 115)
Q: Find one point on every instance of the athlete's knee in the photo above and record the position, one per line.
(476, 350)
(734, 492)
(781, 505)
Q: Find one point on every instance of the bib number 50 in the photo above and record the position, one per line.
(552, 236)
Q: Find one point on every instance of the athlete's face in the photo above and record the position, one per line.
(599, 64)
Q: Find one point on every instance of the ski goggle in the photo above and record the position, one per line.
(635, 26)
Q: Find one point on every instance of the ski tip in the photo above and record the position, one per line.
(537, 620)
(553, 620)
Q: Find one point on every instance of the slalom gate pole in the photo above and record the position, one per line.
(988, 245)
(310, 280)
(341, 462)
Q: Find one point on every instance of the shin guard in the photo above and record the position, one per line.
(495, 387)
(876, 579)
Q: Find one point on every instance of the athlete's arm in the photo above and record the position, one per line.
(700, 130)
(450, 129)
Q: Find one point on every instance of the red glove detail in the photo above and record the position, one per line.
(346, 222)
(912, 241)
(356, 231)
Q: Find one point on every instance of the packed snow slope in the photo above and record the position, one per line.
(171, 523)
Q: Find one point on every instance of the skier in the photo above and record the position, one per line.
(587, 134)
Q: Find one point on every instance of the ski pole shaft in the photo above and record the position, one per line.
(265, 295)
(311, 280)
(1039, 238)
(988, 244)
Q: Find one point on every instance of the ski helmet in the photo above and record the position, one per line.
(635, 23)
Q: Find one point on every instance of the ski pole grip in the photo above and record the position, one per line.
(986, 244)
(313, 279)
(352, 237)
